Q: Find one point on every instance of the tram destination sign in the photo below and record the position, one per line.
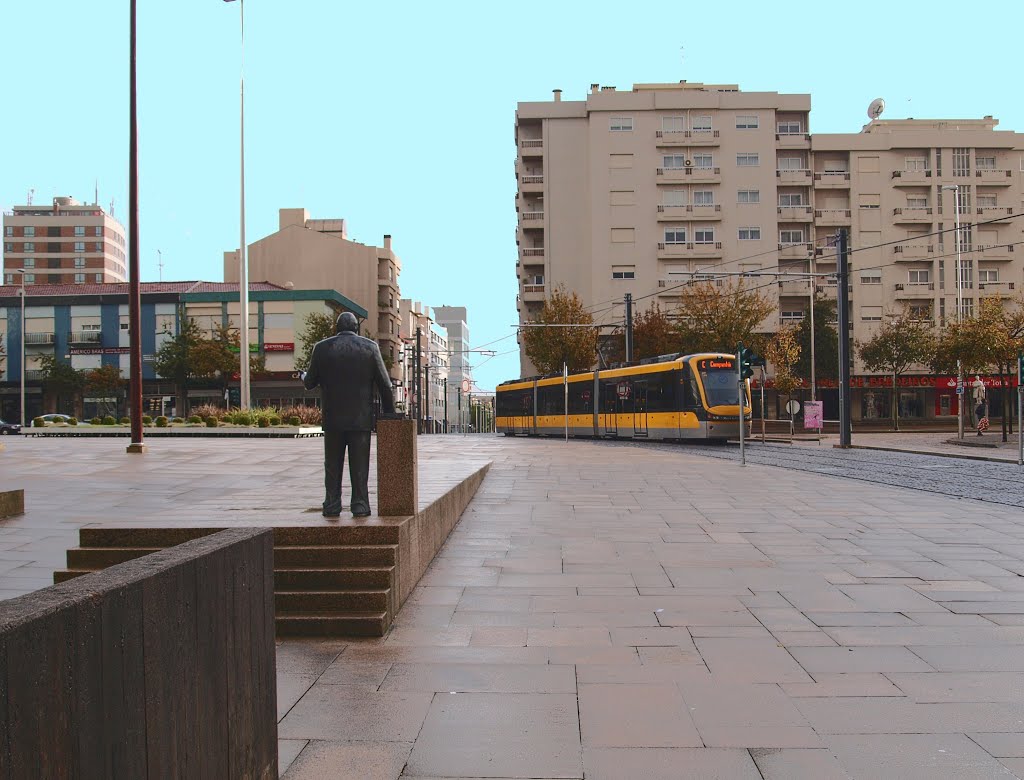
(716, 364)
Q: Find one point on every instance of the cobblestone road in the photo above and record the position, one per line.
(1000, 483)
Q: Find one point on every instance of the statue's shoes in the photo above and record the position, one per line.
(332, 513)
(361, 512)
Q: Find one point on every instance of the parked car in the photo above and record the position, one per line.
(7, 428)
(55, 418)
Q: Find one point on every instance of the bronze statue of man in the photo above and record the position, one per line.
(346, 367)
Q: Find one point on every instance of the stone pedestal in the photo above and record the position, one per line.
(397, 492)
(12, 502)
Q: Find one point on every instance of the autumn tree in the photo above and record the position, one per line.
(61, 381)
(716, 319)
(901, 341)
(174, 360)
(319, 326)
(105, 382)
(826, 342)
(783, 353)
(549, 347)
(654, 333)
(1005, 326)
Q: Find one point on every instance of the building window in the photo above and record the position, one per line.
(704, 198)
(99, 278)
(704, 236)
(29, 247)
(621, 124)
(79, 246)
(988, 275)
(750, 234)
(967, 307)
(987, 201)
(870, 201)
(673, 162)
(917, 202)
(702, 124)
(9, 279)
(920, 311)
(791, 127)
(99, 246)
(791, 199)
(673, 124)
(915, 164)
(746, 122)
(623, 272)
(673, 198)
(791, 316)
(748, 159)
(961, 161)
(8, 230)
(675, 235)
(30, 278)
(703, 161)
(29, 231)
(29, 262)
(871, 313)
(79, 262)
(919, 276)
(791, 164)
(98, 230)
(8, 247)
(79, 230)
(748, 196)
(967, 274)
(79, 278)
(872, 278)
(987, 163)
(790, 237)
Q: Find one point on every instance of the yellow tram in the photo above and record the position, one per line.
(669, 397)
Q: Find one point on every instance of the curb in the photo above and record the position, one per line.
(1011, 461)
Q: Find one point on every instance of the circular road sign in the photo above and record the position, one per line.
(465, 385)
(793, 407)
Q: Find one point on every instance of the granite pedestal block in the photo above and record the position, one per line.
(397, 491)
(12, 502)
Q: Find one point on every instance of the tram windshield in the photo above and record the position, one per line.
(718, 375)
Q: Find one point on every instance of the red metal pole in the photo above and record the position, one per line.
(134, 295)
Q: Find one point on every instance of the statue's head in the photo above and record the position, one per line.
(347, 323)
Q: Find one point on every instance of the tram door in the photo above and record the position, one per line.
(640, 408)
(609, 411)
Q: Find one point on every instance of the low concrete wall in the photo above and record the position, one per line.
(160, 667)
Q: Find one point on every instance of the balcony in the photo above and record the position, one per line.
(994, 176)
(531, 182)
(688, 175)
(915, 292)
(994, 251)
(832, 217)
(85, 337)
(677, 213)
(33, 375)
(383, 281)
(533, 293)
(37, 339)
(795, 288)
(907, 252)
(993, 212)
(903, 216)
(997, 287)
(687, 137)
(793, 140)
(911, 178)
(795, 251)
(795, 213)
(832, 180)
(532, 251)
(798, 177)
(532, 220)
(531, 147)
(708, 249)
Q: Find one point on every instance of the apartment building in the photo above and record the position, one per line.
(420, 328)
(645, 190)
(86, 326)
(64, 243)
(309, 254)
(454, 320)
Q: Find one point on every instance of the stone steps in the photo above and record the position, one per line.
(328, 581)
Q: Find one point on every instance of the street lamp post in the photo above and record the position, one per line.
(22, 329)
(960, 389)
(136, 445)
(243, 265)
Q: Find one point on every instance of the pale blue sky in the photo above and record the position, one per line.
(398, 116)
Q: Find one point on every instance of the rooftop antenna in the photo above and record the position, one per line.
(111, 207)
(31, 192)
(876, 108)
(160, 263)
(96, 194)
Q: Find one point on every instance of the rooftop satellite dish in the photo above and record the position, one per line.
(876, 108)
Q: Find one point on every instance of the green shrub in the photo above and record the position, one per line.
(308, 415)
(161, 421)
(264, 422)
(72, 421)
(109, 420)
(38, 422)
(212, 422)
(96, 421)
(211, 410)
(274, 419)
(125, 421)
(178, 420)
(195, 418)
(147, 420)
(242, 418)
(295, 420)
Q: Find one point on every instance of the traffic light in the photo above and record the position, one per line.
(747, 360)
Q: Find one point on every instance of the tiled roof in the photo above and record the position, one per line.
(121, 288)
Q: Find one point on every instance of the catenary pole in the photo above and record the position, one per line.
(629, 327)
(843, 310)
(137, 444)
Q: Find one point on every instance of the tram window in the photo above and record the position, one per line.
(580, 400)
(661, 391)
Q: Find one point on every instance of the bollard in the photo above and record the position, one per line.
(397, 491)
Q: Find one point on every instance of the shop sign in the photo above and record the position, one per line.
(99, 350)
(279, 346)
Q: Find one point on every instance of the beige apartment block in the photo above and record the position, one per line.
(66, 242)
(642, 191)
(309, 253)
(420, 328)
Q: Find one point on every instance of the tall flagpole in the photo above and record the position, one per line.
(243, 265)
(134, 295)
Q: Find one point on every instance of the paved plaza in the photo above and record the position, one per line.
(621, 611)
